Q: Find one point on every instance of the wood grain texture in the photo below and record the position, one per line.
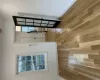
(80, 37)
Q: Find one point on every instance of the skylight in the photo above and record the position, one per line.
(35, 22)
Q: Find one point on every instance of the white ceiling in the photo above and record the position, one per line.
(43, 7)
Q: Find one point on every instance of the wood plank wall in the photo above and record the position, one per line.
(79, 41)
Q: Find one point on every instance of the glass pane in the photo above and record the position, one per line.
(34, 62)
(28, 68)
(33, 67)
(38, 57)
(42, 57)
(24, 29)
(18, 28)
(21, 69)
(31, 29)
(37, 21)
(36, 24)
(29, 20)
(20, 58)
(38, 60)
(20, 19)
(37, 67)
(41, 67)
(28, 57)
(34, 58)
(51, 22)
(31, 24)
(21, 23)
(45, 22)
(42, 62)
(28, 63)
(50, 25)
(21, 63)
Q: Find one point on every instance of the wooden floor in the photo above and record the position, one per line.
(78, 41)
(73, 76)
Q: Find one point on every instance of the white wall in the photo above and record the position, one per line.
(42, 7)
(29, 37)
(0, 43)
(8, 56)
(23, 49)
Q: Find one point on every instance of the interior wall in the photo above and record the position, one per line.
(26, 49)
(9, 54)
(24, 37)
(0, 44)
(45, 7)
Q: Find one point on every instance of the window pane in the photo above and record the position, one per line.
(37, 21)
(41, 67)
(21, 19)
(36, 24)
(38, 57)
(34, 62)
(29, 20)
(21, 23)
(50, 25)
(34, 57)
(20, 58)
(24, 29)
(37, 67)
(31, 24)
(33, 67)
(31, 63)
(28, 63)
(45, 22)
(51, 22)
(28, 57)
(38, 60)
(42, 62)
(18, 28)
(21, 69)
(31, 28)
(21, 63)
(42, 57)
(28, 68)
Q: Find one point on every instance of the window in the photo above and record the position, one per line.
(18, 28)
(31, 63)
(29, 29)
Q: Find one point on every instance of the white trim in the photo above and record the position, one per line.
(31, 54)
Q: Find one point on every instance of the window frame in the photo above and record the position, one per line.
(34, 29)
(32, 54)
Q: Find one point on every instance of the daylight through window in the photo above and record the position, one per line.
(31, 63)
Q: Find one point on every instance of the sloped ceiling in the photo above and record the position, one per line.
(44, 7)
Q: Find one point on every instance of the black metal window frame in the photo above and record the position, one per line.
(56, 22)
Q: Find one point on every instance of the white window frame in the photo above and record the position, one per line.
(32, 54)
